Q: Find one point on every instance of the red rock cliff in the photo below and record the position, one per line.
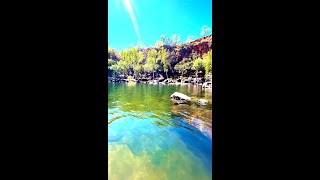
(200, 47)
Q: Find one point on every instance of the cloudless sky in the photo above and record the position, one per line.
(149, 19)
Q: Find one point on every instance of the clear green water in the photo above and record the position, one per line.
(146, 141)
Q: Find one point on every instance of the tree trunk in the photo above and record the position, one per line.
(153, 74)
(197, 77)
(167, 74)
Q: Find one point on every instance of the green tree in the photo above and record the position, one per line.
(184, 66)
(152, 61)
(147, 67)
(138, 69)
(198, 65)
(208, 62)
(180, 68)
(110, 63)
(122, 67)
(132, 58)
(163, 57)
(159, 43)
(137, 58)
(125, 62)
(115, 69)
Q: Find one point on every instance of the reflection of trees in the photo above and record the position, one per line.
(165, 123)
(115, 118)
(192, 111)
(141, 98)
(153, 101)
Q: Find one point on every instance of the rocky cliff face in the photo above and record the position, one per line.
(177, 53)
(200, 47)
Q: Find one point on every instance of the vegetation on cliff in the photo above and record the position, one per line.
(167, 59)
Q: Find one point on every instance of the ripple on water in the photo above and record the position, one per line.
(146, 141)
(143, 145)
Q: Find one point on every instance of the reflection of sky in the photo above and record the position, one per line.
(145, 141)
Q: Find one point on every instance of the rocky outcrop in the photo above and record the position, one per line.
(200, 47)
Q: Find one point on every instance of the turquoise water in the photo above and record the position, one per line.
(146, 141)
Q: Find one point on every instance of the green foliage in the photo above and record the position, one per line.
(138, 69)
(111, 62)
(131, 59)
(130, 78)
(123, 66)
(111, 50)
(207, 59)
(152, 56)
(148, 67)
(115, 69)
(198, 64)
(118, 68)
(163, 57)
(152, 60)
(138, 61)
(159, 43)
(184, 66)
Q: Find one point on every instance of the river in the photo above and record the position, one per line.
(151, 138)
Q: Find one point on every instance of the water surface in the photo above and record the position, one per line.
(147, 141)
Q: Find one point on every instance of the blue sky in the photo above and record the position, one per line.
(130, 21)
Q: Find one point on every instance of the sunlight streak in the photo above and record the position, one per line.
(128, 7)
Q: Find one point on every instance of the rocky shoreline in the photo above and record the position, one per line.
(193, 81)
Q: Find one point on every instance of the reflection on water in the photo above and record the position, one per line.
(147, 141)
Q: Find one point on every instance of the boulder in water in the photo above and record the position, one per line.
(202, 102)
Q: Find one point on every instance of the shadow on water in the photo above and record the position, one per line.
(195, 140)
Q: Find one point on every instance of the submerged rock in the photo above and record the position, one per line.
(202, 102)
